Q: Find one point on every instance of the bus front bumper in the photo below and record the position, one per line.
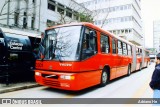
(67, 81)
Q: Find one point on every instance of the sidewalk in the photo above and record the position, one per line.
(18, 82)
(16, 86)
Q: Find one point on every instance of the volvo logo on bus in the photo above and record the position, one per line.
(65, 64)
(50, 67)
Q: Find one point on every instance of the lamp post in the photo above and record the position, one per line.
(39, 15)
(8, 12)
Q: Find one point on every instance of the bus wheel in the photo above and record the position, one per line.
(140, 67)
(147, 65)
(129, 70)
(104, 77)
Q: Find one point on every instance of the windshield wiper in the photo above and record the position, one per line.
(45, 51)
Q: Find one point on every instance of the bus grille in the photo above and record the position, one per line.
(51, 83)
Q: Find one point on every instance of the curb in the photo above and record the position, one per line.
(19, 88)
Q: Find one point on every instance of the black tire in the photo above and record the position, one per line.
(147, 65)
(140, 67)
(104, 77)
(129, 70)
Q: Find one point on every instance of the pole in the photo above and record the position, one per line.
(8, 13)
(39, 15)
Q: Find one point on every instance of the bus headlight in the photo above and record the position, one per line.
(67, 77)
(37, 73)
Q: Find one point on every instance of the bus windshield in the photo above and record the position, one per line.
(62, 43)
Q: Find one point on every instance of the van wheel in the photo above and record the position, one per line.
(129, 70)
(104, 78)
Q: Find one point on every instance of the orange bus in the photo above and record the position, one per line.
(78, 56)
(142, 58)
(146, 58)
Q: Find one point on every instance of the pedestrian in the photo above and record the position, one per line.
(155, 80)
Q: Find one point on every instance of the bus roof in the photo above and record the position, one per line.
(92, 26)
(141, 47)
(13, 31)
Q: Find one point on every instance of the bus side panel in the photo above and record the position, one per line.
(122, 68)
(134, 58)
(143, 58)
(119, 67)
(113, 73)
(111, 61)
(138, 62)
(88, 79)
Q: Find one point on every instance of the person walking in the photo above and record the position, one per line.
(155, 80)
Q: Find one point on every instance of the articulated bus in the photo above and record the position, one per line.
(142, 58)
(17, 49)
(152, 57)
(78, 56)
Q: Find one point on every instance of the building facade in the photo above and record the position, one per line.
(121, 17)
(37, 15)
(20, 14)
(156, 35)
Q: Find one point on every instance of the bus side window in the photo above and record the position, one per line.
(136, 51)
(104, 44)
(89, 43)
(124, 49)
(129, 50)
(113, 46)
(140, 51)
(119, 47)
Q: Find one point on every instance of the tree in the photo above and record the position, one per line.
(104, 20)
(85, 17)
(81, 14)
(96, 13)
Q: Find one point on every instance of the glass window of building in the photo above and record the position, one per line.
(51, 7)
(69, 12)
(60, 8)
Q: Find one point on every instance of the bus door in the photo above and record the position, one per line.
(89, 49)
(139, 58)
(125, 59)
(115, 59)
(120, 59)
